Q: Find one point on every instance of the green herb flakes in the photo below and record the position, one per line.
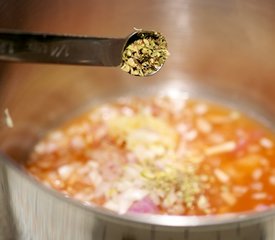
(145, 55)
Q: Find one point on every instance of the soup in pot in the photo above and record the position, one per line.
(160, 155)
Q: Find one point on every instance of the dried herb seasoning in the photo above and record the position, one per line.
(145, 54)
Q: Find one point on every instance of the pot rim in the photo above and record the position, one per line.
(144, 219)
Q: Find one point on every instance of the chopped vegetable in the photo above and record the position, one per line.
(160, 155)
(145, 205)
(221, 148)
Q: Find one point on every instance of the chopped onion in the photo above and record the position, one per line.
(257, 174)
(266, 143)
(259, 196)
(272, 180)
(221, 175)
(203, 126)
(146, 205)
(122, 202)
(200, 109)
(258, 186)
(203, 203)
(77, 142)
(221, 148)
(95, 177)
(65, 171)
(191, 135)
(240, 190)
(169, 200)
(229, 198)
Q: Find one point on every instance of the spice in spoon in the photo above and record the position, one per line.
(145, 53)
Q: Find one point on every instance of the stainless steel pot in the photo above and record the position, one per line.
(219, 49)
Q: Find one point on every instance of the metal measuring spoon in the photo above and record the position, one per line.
(76, 50)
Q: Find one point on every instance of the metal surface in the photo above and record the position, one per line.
(16, 46)
(219, 49)
(60, 49)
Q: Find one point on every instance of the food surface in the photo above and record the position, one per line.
(160, 155)
(145, 55)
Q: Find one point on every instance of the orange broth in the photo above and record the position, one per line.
(160, 155)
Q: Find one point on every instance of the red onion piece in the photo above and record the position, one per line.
(145, 205)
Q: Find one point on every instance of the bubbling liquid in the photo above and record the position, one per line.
(160, 155)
